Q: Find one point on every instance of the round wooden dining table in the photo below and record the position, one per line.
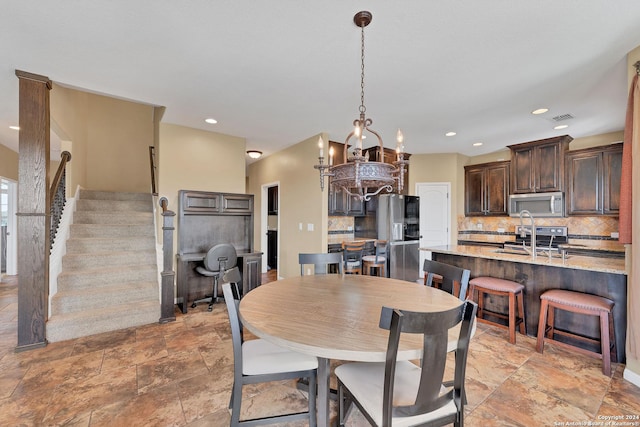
(336, 316)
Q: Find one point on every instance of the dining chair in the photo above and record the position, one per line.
(260, 361)
(321, 262)
(454, 280)
(352, 255)
(400, 392)
(377, 261)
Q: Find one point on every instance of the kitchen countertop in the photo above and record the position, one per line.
(580, 262)
(338, 239)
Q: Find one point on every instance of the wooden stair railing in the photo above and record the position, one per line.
(152, 161)
(57, 195)
(167, 313)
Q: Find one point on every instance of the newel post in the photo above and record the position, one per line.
(167, 313)
(33, 216)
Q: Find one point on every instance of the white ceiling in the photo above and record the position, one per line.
(277, 72)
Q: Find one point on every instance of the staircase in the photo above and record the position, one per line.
(109, 277)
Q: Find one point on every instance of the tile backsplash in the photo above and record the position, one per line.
(340, 224)
(588, 228)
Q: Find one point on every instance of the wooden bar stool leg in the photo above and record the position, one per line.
(542, 324)
(520, 298)
(612, 336)
(512, 318)
(604, 343)
(551, 321)
(480, 304)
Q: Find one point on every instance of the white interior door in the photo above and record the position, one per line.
(435, 216)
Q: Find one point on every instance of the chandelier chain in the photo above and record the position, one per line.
(363, 109)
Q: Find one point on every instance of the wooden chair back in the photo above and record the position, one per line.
(455, 280)
(434, 327)
(352, 255)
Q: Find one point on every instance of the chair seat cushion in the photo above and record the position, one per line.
(578, 299)
(372, 258)
(262, 357)
(365, 382)
(495, 284)
(352, 264)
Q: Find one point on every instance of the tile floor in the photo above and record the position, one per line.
(180, 374)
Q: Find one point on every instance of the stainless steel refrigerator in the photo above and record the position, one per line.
(398, 222)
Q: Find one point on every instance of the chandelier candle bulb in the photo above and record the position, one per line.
(321, 146)
(331, 156)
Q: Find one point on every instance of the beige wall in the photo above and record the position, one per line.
(109, 139)
(8, 163)
(193, 159)
(301, 201)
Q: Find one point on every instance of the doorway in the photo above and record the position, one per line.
(8, 233)
(270, 239)
(435, 216)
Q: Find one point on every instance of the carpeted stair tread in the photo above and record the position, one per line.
(69, 301)
(116, 217)
(105, 244)
(111, 230)
(113, 205)
(79, 324)
(105, 276)
(83, 261)
(113, 195)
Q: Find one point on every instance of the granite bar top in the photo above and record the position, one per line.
(337, 239)
(580, 262)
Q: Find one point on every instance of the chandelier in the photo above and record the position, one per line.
(357, 175)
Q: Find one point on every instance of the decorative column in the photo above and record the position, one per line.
(33, 210)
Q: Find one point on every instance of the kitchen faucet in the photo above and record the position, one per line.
(523, 231)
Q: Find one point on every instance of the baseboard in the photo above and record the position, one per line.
(631, 376)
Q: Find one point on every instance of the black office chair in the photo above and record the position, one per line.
(218, 260)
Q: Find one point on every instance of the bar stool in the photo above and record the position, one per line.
(578, 302)
(352, 256)
(377, 261)
(500, 287)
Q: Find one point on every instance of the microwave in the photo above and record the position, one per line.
(538, 204)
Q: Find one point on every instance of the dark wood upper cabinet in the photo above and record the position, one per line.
(538, 166)
(486, 189)
(593, 180)
(341, 203)
(272, 202)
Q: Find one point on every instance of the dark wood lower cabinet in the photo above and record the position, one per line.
(539, 278)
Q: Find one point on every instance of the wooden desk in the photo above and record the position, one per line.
(249, 263)
(336, 317)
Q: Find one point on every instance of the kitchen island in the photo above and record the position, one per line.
(599, 276)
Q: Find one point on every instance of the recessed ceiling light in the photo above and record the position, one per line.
(477, 144)
(14, 127)
(211, 121)
(540, 111)
(560, 127)
(254, 154)
(449, 134)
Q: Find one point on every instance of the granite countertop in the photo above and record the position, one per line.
(338, 239)
(580, 262)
